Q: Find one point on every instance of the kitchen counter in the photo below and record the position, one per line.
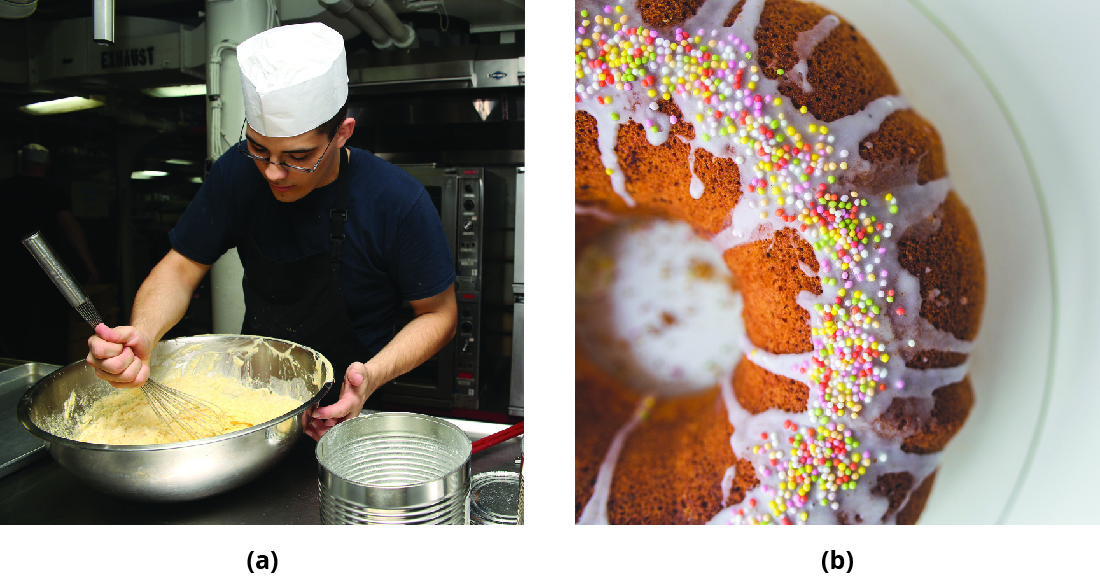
(42, 492)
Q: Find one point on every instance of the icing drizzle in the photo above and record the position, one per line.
(800, 173)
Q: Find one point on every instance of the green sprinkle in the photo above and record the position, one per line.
(706, 138)
(614, 116)
(893, 210)
(779, 72)
(584, 13)
(832, 180)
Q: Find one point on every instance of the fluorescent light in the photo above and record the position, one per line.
(147, 174)
(71, 104)
(196, 179)
(180, 161)
(176, 91)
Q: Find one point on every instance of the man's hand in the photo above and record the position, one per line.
(120, 355)
(357, 387)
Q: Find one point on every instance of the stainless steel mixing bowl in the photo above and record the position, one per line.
(191, 469)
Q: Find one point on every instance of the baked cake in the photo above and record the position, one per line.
(776, 132)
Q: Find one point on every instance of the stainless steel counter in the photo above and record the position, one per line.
(42, 492)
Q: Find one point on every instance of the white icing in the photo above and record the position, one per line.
(804, 48)
(595, 511)
(761, 212)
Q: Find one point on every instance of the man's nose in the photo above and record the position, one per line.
(274, 171)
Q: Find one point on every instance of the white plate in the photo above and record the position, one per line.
(1010, 369)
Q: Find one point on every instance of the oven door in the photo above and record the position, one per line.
(432, 383)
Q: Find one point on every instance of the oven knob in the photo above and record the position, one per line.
(468, 204)
(467, 326)
(468, 225)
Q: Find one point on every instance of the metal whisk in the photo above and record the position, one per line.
(185, 415)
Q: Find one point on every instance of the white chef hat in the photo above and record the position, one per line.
(295, 78)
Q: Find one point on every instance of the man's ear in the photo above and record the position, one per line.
(347, 128)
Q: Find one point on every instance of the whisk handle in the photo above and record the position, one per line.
(56, 270)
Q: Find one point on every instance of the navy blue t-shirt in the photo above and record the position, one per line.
(395, 247)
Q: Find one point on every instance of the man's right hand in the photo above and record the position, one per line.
(120, 355)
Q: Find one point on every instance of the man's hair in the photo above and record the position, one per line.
(330, 126)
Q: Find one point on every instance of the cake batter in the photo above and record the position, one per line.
(125, 417)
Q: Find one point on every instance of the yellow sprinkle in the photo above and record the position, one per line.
(609, 171)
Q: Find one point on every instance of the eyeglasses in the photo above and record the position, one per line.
(243, 149)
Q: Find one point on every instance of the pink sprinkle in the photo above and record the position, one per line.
(900, 384)
(580, 29)
(607, 10)
(672, 120)
(648, 122)
(848, 285)
(652, 33)
(626, 86)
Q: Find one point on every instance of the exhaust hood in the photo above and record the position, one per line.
(146, 53)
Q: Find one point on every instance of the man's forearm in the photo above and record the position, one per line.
(424, 336)
(165, 295)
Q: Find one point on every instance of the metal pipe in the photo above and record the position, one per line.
(403, 34)
(362, 20)
(103, 18)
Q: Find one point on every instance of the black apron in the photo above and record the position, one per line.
(302, 300)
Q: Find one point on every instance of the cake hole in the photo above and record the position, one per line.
(656, 307)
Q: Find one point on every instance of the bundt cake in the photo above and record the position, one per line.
(775, 131)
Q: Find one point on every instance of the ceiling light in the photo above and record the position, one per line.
(176, 91)
(147, 174)
(71, 104)
(17, 8)
(180, 161)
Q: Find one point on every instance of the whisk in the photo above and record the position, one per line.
(187, 416)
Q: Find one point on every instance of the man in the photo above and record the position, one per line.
(34, 203)
(332, 239)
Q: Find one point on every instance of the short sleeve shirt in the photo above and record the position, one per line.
(395, 247)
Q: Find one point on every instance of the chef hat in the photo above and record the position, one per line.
(35, 153)
(295, 78)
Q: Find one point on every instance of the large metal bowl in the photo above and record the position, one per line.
(191, 469)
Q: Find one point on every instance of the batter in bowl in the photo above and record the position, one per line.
(124, 417)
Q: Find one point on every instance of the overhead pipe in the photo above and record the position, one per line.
(362, 20)
(103, 22)
(403, 34)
